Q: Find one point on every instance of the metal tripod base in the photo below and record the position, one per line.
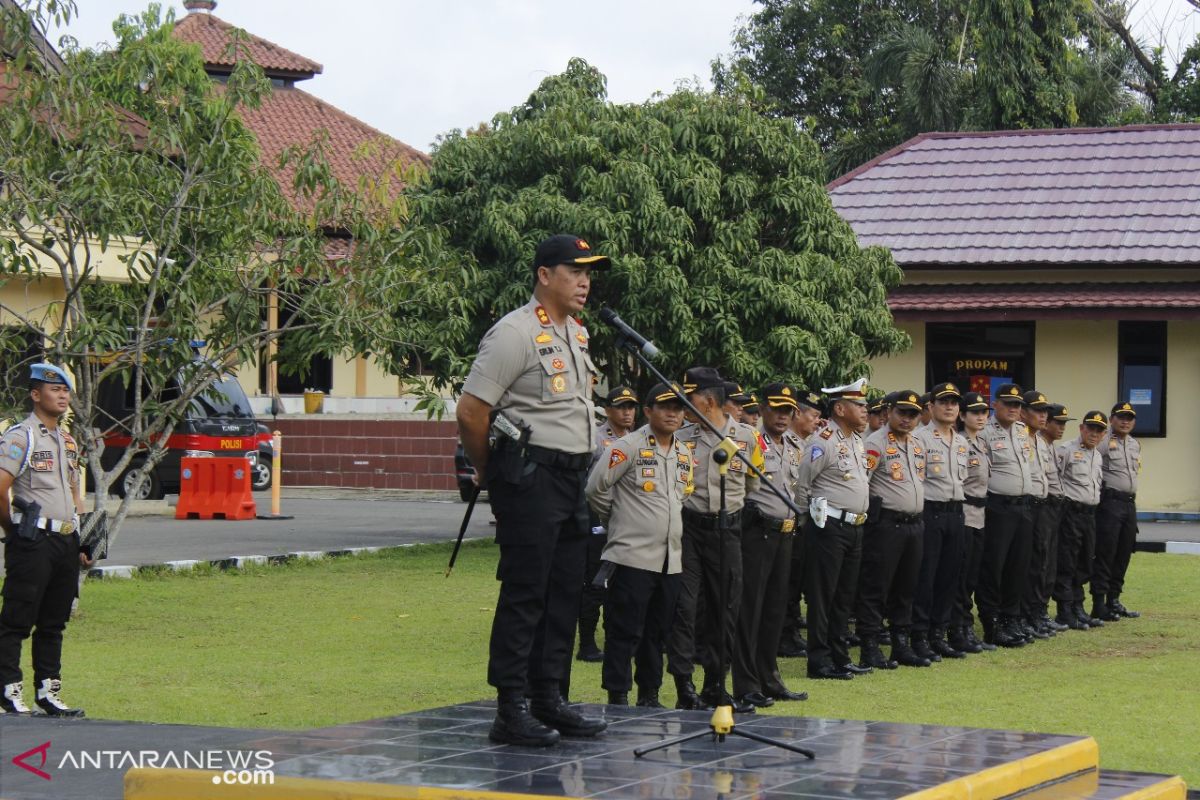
(720, 726)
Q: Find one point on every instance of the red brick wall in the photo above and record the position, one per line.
(398, 454)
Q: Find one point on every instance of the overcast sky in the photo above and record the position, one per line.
(415, 69)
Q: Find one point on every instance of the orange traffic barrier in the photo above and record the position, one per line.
(215, 488)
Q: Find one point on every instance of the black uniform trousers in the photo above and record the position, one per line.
(766, 563)
(592, 599)
(696, 630)
(41, 580)
(973, 539)
(830, 582)
(1033, 576)
(891, 566)
(1005, 563)
(941, 565)
(1076, 545)
(542, 529)
(1116, 536)
(640, 606)
(1043, 558)
(793, 615)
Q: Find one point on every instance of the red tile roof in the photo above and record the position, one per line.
(1070, 196)
(920, 300)
(214, 35)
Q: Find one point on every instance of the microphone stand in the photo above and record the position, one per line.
(721, 723)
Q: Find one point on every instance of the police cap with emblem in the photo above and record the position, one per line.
(662, 393)
(780, 395)
(944, 390)
(751, 406)
(735, 393)
(854, 392)
(1096, 419)
(700, 378)
(48, 373)
(974, 401)
(810, 398)
(565, 248)
(1123, 408)
(1009, 393)
(1035, 400)
(925, 399)
(907, 399)
(1059, 413)
(619, 396)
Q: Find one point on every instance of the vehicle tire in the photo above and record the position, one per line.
(152, 489)
(465, 490)
(260, 478)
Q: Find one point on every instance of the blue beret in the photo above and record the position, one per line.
(48, 373)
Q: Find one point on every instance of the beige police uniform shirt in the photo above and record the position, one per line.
(605, 436)
(897, 471)
(1079, 469)
(1041, 463)
(834, 466)
(945, 463)
(52, 477)
(781, 465)
(637, 489)
(740, 481)
(1010, 453)
(1122, 462)
(1053, 482)
(976, 484)
(540, 373)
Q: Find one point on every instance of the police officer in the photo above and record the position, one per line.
(1079, 469)
(805, 424)
(1116, 519)
(768, 531)
(941, 559)
(893, 540)
(735, 400)
(876, 415)
(620, 410)
(834, 485)
(637, 490)
(1045, 535)
(975, 411)
(695, 634)
(534, 367)
(39, 461)
(752, 411)
(1034, 413)
(1006, 524)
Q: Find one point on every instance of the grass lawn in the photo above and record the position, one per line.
(321, 643)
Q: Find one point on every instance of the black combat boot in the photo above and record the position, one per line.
(921, 646)
(871, 656)
(685, 691)
(1066, 616)
(973, 638)
(648, 698)
(549, 707)
(792, 645)
(1102, 610)
(902, 651)
(998, 631)
(1032, 630)
(618, 698)
(957, 639)
(1092, 622)
(588, 649)
(1114, 602)
(515, 725)
(939, 645)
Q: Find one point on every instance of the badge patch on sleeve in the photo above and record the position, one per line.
(16, 452)
(815, 453)
(617, 457)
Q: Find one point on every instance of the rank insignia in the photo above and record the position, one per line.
(891, 451)
(581, 338)
(827, 433)
(1112, 444)
(557, 363)
(648, 486)
(646, 454)
(974, 462)
(543, 338)
(617, 457)
(542, 316)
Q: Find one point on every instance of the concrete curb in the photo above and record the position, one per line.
(1187, 548)
(237, 562)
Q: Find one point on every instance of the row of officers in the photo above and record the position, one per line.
(907, 528)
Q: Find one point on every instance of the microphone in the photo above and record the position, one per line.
(647, 348)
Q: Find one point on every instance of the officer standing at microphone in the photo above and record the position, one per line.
(534, 368)
(40, 463)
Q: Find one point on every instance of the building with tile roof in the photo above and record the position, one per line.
(291, 117)
(1067, 260)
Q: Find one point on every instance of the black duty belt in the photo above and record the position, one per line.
(900, 516)
(1113, 494)
(1008, 499)
(755, 516)
(708, 522)
(557, 459)
(1037, 501)
(942, 506)
(1075, 505)
(978, 502)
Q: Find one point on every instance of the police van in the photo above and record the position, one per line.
(219, 422)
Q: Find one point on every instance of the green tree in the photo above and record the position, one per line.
(726, 248)
(134, 193)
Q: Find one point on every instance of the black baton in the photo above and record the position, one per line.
(462, 530)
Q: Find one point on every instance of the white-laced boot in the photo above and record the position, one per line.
(49, 701)
(12, 701)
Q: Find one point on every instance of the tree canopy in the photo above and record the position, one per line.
(726, 249)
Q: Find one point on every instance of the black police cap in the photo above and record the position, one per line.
(620, 395)
(566, 248)
(1009, 393)
(942, 390)
(699, 378)
(1035, 400)
(974, 401)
